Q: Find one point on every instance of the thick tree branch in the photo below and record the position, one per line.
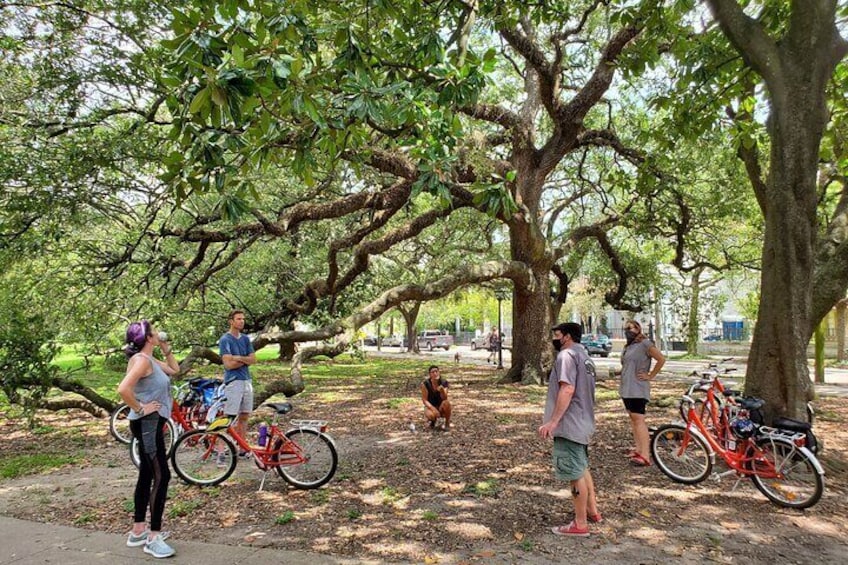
(748, 36)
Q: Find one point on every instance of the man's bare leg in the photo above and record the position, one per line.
(445, 411)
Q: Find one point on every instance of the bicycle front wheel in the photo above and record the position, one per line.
(786, 474)
(169, 433)
(204, 458)
(319, 455)
(119, 424)
(682, 456)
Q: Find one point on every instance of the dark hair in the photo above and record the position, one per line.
(571, 328)
(136, 337)
(431, 367)
(233, 313)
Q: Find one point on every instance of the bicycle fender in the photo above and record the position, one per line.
(816, 463)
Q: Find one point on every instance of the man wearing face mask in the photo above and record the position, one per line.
(635, 387)
(570, 420)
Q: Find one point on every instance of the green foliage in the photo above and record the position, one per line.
(20, 465)
(27, 349)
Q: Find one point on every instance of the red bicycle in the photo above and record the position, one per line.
(777, 462)
(303, 455)
(191, 403)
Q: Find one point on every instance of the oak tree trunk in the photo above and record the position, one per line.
(693, 327)
(777, 363)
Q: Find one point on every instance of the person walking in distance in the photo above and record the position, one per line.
(146, 389)
(237, 355)
(494, 341)
(570, 420)
(635, 387)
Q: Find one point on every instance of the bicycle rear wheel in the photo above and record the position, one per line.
(794, 481)
(319, 453)
(119, 424)
(204, 458)
(683, 460)
(169, 432)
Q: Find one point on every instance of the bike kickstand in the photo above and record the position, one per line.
(736, 484)
(262, 482)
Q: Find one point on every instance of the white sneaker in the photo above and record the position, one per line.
(137, 540)
(158, 548)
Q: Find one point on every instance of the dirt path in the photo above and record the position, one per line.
(480, 493)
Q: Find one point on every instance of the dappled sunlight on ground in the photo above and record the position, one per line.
(482, 492)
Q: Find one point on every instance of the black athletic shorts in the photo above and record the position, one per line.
(635, 405)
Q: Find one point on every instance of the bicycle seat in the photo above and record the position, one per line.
(281, 407)
(751, 403)
(791, 425)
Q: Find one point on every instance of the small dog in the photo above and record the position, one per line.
(456, 358)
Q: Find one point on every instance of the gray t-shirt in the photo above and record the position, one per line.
(154, 386)
(635, 360)
(573, 366)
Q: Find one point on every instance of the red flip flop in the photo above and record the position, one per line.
(640, 461)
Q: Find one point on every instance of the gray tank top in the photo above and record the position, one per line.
(156, 385)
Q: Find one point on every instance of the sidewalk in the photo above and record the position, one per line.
(26, 543)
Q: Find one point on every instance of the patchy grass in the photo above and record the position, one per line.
(30, 464)
(482, 489)
(284, 518)
(177, 508)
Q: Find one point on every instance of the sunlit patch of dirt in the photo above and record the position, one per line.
(450, 496)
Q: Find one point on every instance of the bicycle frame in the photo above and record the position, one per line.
(741, 454)
(286, 452)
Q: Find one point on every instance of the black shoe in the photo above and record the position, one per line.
(432, 424)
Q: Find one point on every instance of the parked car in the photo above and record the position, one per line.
(434, 339)
(369, 340)
(394, 341)
(597, 344)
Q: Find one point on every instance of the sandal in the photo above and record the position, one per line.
(640, 461)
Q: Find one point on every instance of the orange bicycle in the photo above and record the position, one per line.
(304, 456)
(777, 462)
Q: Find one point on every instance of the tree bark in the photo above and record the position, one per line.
(841, 306)
(819, 349)
(693, 328)
(410, 317)
(795, 68)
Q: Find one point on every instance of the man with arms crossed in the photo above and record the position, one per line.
(237, 355)
(570, 421)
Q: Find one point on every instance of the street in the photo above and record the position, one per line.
(836, 380)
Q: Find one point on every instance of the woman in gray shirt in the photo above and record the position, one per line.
(635, 388)
(146, 388)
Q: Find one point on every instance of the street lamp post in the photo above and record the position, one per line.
(501, 295)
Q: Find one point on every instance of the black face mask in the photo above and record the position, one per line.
(557, 344)
(630, 336)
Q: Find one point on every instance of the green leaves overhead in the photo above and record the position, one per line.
(303, 87)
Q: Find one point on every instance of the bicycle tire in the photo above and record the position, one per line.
(799, 484)
(169, 432)
(691, 466)
(119, 424)
(195, 458)
(321, 459)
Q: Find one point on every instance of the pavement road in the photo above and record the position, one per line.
(836, 380)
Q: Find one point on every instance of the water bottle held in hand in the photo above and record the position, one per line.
(163, 336)
(263, 434)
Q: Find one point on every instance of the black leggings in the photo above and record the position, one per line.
(151, 489)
